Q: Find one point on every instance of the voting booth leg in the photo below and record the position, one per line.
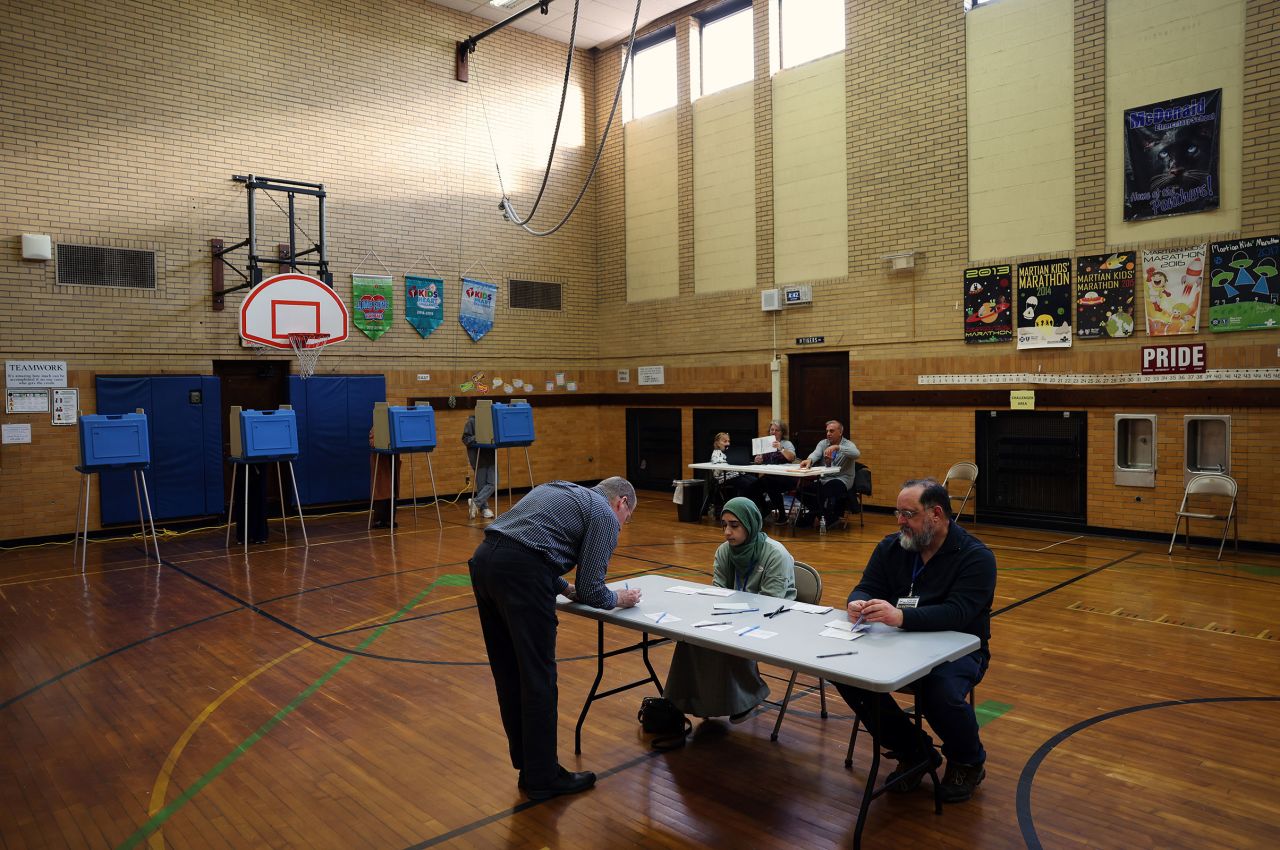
(245, 527)
(284, 516)
(413, 490)
(146, 499)
(435, 497)
(142, 518)
(82, 522)
(235, 469)
(373, 488)
(297, 501)
(497, 484)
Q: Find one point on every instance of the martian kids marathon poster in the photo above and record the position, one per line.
(1173, 280)
(1244, 294)
(988, 298)
(1104, 295)
(1044, 304)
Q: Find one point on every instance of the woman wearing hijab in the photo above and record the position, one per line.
(707, 683)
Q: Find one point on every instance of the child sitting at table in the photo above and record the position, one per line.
(707, 683)
(729, 483)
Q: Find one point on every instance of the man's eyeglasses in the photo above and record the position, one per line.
(900, 514)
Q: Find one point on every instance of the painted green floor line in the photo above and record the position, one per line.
(989, 710)
(188, 793)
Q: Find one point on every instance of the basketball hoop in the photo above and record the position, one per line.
(308, 347)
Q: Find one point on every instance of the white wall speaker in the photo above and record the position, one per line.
(770, 300)
(36, 247)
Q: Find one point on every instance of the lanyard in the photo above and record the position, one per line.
(741, 582)
(915, 574)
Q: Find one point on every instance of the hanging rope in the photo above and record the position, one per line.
(508, 210)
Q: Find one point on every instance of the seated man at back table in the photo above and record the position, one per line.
(930, 576)
(828, 494)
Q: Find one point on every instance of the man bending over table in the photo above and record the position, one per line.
(515, 575)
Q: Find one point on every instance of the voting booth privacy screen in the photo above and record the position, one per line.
(404, 428)
(512, 424)
(263, 434)
(114, 440)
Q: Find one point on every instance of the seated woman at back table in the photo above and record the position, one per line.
(707, 683)
(769, 491)
(728, 483)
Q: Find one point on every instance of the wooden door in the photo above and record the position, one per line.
(817, 390)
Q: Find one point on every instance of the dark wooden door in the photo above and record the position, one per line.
(654, 447)
(817, 390)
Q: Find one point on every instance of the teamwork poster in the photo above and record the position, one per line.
(423, 303)
(1243, 294)
(988, 298)
(476, 312)
(1171, 156)
(371, 303)
(1044, 304)
(1104, 295)
(1172, 281)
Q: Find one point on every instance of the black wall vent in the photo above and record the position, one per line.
(535, 295)
(92, 265)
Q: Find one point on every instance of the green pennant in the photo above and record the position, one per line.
(371, 303)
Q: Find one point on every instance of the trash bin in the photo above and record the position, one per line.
(688, 499)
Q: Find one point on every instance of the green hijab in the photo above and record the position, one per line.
(743, 557)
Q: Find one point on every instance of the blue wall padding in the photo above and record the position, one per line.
(334, 415)
(185, 479)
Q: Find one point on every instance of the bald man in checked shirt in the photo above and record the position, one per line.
(515, 575)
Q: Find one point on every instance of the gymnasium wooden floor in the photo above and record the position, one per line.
(338, 697)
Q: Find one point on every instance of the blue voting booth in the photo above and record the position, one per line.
(114, 442)
(263, 436)
(501, 425)
(512, 424)
(401, 430)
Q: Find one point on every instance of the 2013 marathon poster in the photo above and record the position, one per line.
(988, 299)
(1171, 156)
(1104, 295)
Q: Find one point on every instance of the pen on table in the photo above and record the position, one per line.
(660, 616)
(834, 654)
(779, 611)
(704, 625)
(739, 611)
(746, 632)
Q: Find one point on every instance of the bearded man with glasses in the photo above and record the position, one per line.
(929, 576)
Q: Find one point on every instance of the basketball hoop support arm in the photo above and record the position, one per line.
(291, 188)
(468, 46)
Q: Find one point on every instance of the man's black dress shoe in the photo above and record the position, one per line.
(564, 783)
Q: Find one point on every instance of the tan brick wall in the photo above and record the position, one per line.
(124, 123)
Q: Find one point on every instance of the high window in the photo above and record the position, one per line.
(651, 77)
(726, 42)
(807, 30)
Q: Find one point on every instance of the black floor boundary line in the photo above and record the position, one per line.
(1063, 584)
(76, 669)
(1026, 823)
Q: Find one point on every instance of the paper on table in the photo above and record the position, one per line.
(839, 624)
(731, 606)
(755, 632)
(839, 634)
(715, 591)
(806, 608)
(681, 589)
(761, 445)
(711, 625)
(663, 617)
